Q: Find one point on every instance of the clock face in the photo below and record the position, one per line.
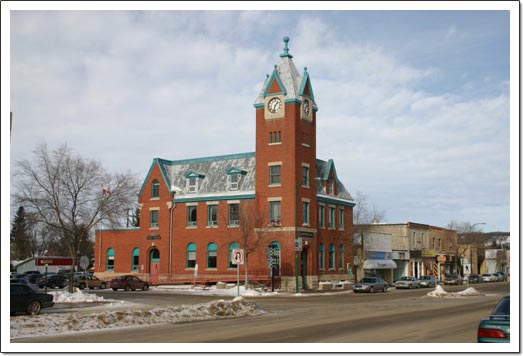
(274, 105)
(306, 107)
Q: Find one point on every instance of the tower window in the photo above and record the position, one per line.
(275, 137)
(155, 189)
(154, 219)
(275, 174)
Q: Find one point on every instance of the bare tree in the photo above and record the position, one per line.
(251, 232)
(65, 192)
(363, 217)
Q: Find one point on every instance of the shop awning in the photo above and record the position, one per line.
(379, 264)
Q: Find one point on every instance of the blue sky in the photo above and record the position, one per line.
(414, 106)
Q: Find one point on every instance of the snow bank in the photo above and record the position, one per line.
(441, 293)
(76, 297)
(52, 324)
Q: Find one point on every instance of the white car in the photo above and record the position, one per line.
(407, 282)
(489, 277)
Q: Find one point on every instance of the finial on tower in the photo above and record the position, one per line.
(286, 48)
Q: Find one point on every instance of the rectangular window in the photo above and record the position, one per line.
(342, 219)
(342, 256)
(275, 212)
(331, 256)
(135, 263)
(234, 214)
(212, 215)
(321, 258)
(212, 259)
(306, 213)
(305, 176)
(275, 174)
(275, 137)
(110, 263)
(331, 218)
(234, 179)
(191, 216)
(321, 216)
(331, 186)
(191, 259)
(192, 185)
(154, 219)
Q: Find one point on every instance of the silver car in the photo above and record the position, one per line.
(370, 285)
(489, 277)
(428, 282)
(406, 282)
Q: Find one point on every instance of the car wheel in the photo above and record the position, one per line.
(385, 289)
(33, 308)
(371, 290)
(82, 286)
(145, 287)
(115, 289)
(53, 285)
(127, 288)
(91, 287)
(102, 286)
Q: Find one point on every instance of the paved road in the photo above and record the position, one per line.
(398, 316)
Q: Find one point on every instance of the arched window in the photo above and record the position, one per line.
(331, 256)
(155, 189)
(191, 256)
(342, 256)
(109, 263)
(321, 257)
(232, 246)
(135, 260)
(212, 255)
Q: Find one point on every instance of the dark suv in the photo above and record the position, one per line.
(55, 280)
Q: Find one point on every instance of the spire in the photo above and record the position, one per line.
(286, 48)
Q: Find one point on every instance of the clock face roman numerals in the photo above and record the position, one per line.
(274, 105)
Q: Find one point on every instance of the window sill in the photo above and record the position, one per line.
(215, 226)
(154, 228)
(305, 225)
(274, 143)
(233, 225)
(306, 186)
(305, 144)
(211, 269)
(191, 227)
(155, 198)
(275, 185)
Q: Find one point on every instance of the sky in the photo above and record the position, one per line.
(414, 105)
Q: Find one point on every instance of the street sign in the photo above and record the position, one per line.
(237, 257)
(298, 244)
(84, 262)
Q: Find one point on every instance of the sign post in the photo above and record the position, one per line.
(297, 249)
(237, 258)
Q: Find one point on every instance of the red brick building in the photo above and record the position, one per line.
(194, 212)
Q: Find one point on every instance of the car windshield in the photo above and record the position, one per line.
(405, 278)
(368, 280)
(503, 307)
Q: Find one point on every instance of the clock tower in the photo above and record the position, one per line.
(286, 161)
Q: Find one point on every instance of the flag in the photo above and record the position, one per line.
(106, 191)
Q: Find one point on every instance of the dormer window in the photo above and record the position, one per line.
(192, 185)
(233, 181)
(331, 186)
(193, 181)
(234, 177)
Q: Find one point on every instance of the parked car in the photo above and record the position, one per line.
(502, 276)
(33, 278)
(407, 282)
(453, 279)
(89, 281)
(428, 281)
(474, 278)
(371, 285)
(25, 282)
(489, 277)
(128, 282)
(53, 280)
(496, 328)
(25, 299)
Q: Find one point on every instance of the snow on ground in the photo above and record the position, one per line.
(113, 314)
(441, 293)
(123, 315)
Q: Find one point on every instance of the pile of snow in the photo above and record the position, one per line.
(52, 324)
(76, 297)
(440, 292)
(230, 290)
